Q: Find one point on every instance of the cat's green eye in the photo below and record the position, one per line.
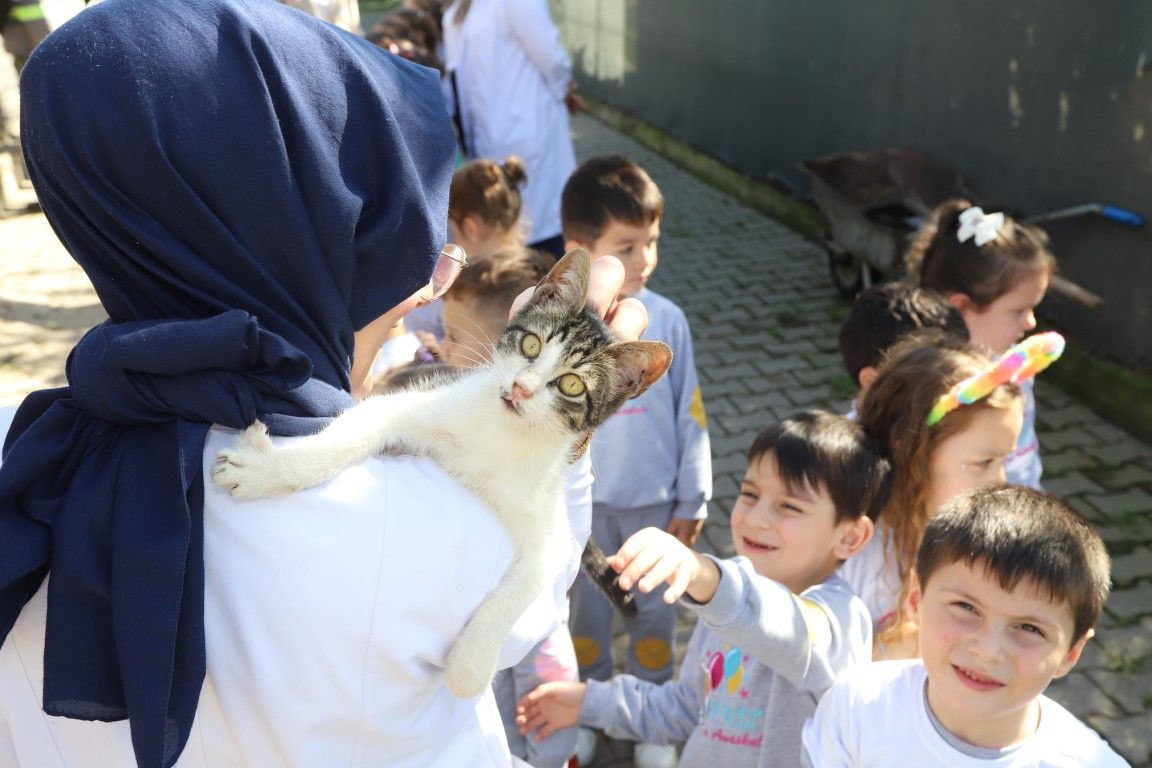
(571, 385)
(530, 346)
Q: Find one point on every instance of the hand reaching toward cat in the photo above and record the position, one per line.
(549, 708)
(651, 557)
(627, 318)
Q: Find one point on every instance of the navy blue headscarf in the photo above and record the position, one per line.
(246, 187)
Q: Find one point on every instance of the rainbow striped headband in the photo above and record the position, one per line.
(1018, 364)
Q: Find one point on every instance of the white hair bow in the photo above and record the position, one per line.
(974, 223)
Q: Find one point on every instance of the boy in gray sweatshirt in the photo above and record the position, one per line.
(777, 625)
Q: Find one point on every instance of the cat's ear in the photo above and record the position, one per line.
(640, 364)
(567, 282)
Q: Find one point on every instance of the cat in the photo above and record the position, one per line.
(506, 430)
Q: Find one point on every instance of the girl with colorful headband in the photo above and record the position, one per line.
(995, 271)
(948, 416)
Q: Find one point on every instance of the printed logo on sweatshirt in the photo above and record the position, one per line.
(730, 716)
(697, 409)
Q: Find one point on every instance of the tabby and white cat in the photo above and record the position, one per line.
(506, 430)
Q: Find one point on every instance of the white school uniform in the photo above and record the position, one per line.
(512, 74)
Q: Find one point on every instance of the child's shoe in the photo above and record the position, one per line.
(654, 756)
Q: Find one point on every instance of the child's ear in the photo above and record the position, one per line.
(854, 535)
(866, 376)
(962, 302)
(571, 245)
(1073, 655)
(473, 228)
(914, 596)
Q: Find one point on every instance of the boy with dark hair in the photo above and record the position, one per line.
(1009, 582)
(777, 624)
(884, 314)
(652, 460)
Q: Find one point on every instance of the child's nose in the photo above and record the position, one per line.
(985, 644)
(1029, 320)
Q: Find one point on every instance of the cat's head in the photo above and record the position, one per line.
(557, 364)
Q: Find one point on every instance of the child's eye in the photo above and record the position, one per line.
(530, 346)
(1032, 629)
(571, 385)
(791, 509)
(964, 606)
(979, 466)
(749, 495)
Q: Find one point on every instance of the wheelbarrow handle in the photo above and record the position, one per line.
(1131, 218)
(1112, 212)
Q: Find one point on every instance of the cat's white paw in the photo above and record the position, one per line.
(468, 673)
(253, 468)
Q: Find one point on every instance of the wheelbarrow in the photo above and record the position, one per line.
(875, 202)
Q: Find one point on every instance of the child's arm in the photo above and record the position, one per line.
(809, 638)
(694, 475)
(624, 707)
(549, 708)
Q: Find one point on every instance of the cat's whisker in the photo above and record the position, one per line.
(483, 335)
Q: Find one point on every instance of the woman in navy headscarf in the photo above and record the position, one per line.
(257, 197)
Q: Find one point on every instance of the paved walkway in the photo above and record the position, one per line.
(764, 317)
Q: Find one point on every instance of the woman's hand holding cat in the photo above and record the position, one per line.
(627, 318)
(651, 557)
(549, 708)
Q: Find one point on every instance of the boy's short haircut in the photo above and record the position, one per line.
(500, 277)
(820, 449)
(607, 189)
(883, 314)
(1020, 534)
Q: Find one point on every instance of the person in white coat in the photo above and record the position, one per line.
(193, 158)
(510, 82)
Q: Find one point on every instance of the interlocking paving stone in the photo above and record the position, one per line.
(1059, 463)
(1070, 484)
(1130, 603)
(1123, 505)
(1129, 690)
(1129, 736)
(1132, 566)
(1083, 696)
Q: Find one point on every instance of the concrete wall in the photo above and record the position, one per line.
(1042, 104)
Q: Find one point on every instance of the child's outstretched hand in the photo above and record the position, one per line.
(549, 708)
(651, 557)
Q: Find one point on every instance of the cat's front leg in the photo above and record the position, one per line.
(257, 468)
(473, 657)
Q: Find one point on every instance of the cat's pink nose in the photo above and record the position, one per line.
(519, 393)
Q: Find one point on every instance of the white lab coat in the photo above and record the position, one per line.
(512, 74)
(328, 617)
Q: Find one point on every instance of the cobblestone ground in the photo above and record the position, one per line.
(764, 317)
